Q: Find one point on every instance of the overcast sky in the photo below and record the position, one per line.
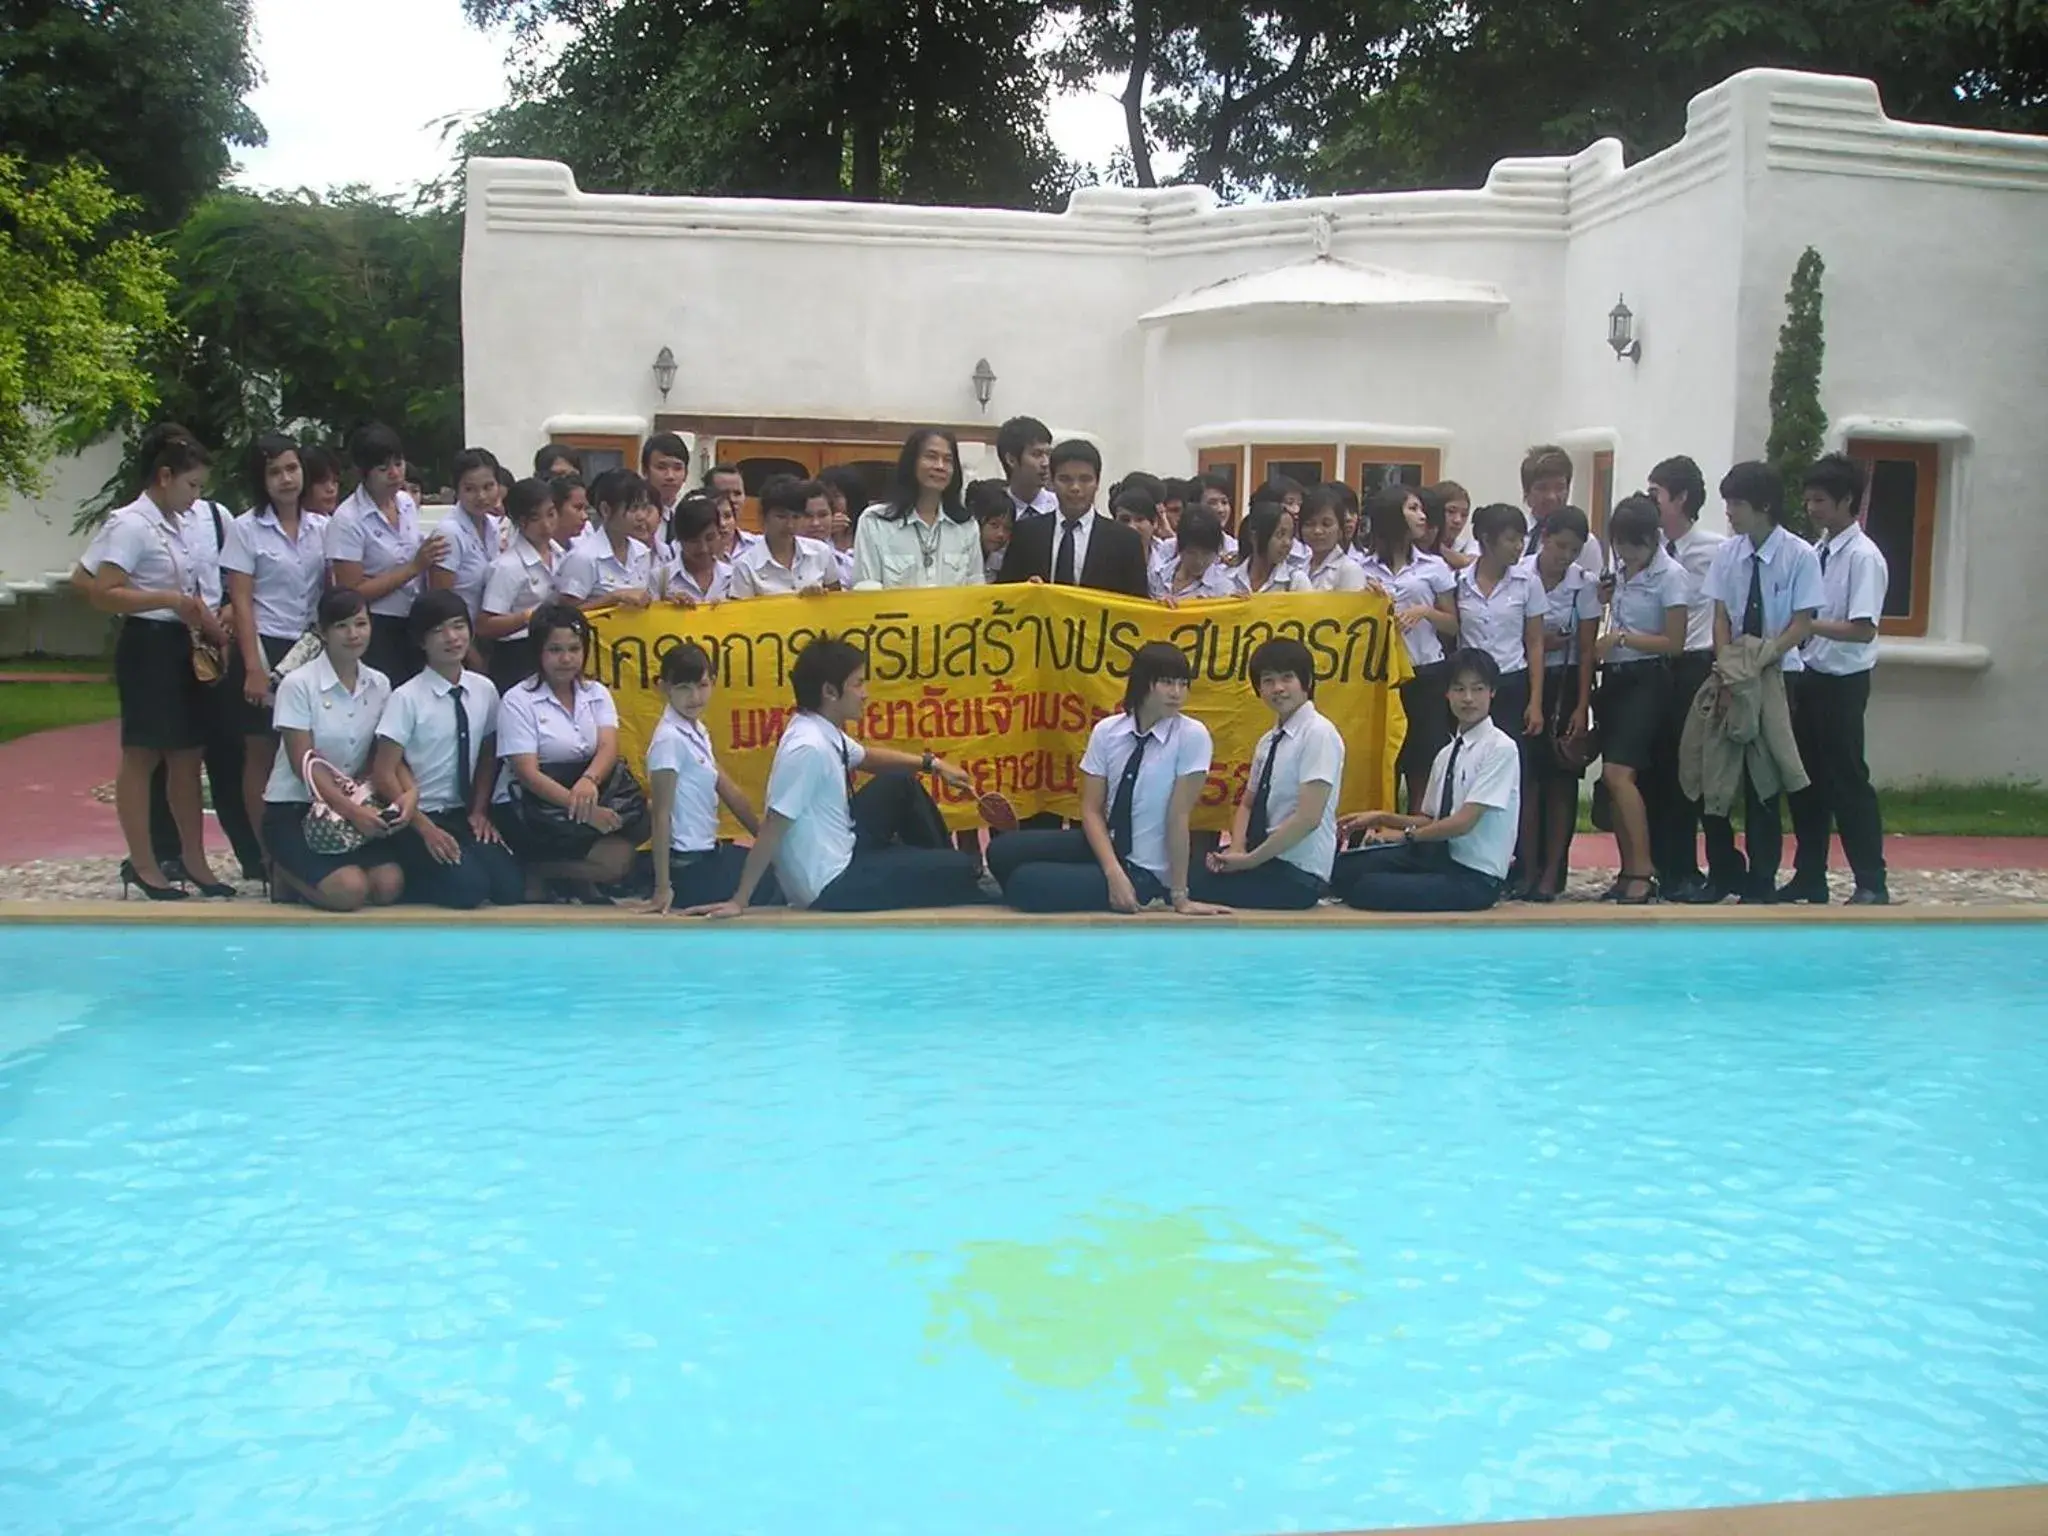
(357, 91)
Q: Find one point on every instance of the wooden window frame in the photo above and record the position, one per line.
(1264, 455)
(1925, 457)
(623, 443)
(1357, 454)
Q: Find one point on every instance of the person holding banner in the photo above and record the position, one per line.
(834, 850)
(1283, 841)
(1132, 848)
(695, 574)
(613, 568)
(783, 561)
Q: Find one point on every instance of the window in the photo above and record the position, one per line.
(1898, 514)
(1227, 462)
(1369, 467)
(759, 462)
(1306, 464)
(598, 452)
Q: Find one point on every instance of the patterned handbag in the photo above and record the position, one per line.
(327, 831)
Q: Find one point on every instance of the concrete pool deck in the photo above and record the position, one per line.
(1988, 1512)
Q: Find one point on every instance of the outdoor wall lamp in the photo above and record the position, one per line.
(984, 383)
(665, 371)
(1621, 332)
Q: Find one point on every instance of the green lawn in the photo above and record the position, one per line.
(26, 708)
(70, 666)
(1945, 810)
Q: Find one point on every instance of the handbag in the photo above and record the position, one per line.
(552, 837)
(303, 650)
(209, 661)
(327, 831)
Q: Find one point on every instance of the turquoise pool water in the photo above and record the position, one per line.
(925, 1233)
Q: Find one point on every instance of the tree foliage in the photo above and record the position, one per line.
(314, 315)
(1798, 424)
(924, 101)
(152, 90)
(78, 301)
(1476, 80)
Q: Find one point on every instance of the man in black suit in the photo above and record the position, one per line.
(1076, 548)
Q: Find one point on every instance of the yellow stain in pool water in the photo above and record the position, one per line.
(1164, 1307)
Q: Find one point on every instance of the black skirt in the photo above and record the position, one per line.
(162, 708)
(1560, 699)
(391, 649)
(253, 719)
(512, 662)
(1423, 697)
(1634, 702)
(284, 834)
(1510, 703)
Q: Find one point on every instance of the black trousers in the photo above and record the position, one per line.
(220, 723)
(1763, 840)
(1674, 819)
(903, 856)
(1275, 886)
(1057, 871)
(1411, 877)
(487, 873)
(1827, 722)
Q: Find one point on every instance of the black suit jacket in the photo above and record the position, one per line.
(1115, 560)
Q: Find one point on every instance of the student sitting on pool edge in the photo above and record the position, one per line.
(1140, 776)
(833, 850)
(1454, 857)
(685, 788)
(1283, 841)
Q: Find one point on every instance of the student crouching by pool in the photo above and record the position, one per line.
(883, 848)
(1454, 856)
(1140, 775)
(327, 712)
(1284, 838)
(437, 741)
(686, 787)
(569, 809)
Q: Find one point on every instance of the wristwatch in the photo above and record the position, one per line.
(929, 760)
(1407, 834)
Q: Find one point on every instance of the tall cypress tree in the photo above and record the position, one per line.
(1798, 424)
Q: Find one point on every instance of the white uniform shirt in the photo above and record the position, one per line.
(532, 719)
(1214, 582)
(1791, 583)
(1853, 586)
(1287, 577)
(469, 554)
(807, 784)
(1641, 600)
(1419, 583)
(891, 551)
(1310, 751)
(206, 541)
(1494, 624)
(1490, 772)
(358, 533)
(154, 552)
(1590, 559)
(1339, 573)
(676, 581)
(1044, 503)
(592, 568)
(521, 579)
(757, 573)
(1179, 746)
(343, 724)
(287, 575)
(1084, 529)
(1695, 552)
(683, 748)
(421, 719)
(1573, 600)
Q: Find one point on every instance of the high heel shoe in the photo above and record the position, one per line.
(218, 890)
(1640, 898)
(153, 892)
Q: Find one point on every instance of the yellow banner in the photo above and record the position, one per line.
(1008, 681)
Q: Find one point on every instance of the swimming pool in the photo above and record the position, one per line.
(928, 1232)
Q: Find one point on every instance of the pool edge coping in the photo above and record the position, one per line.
(2019, 1510)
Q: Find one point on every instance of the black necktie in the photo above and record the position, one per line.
(1120, 807)
(1823, 559)
(1753, 610)
(1671, 548)
(1063, 562)
(1256, 825)
(1443, 799)
(846, 766)
(464, 766)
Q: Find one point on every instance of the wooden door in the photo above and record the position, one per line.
(1229, 463)
(1369, 467)
(760, 460)
(876, 463)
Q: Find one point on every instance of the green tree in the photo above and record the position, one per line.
(1798, 424)
(78, 302)
(150, 89)
(869, 99)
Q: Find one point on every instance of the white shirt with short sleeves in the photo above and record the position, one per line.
(757, 573)
(1494, 623)
(1287, 577)
(1339, 573)
(1179, 745)
(1570, 603)
(676, 581)
(683, 748)
(469, 553)
(532, 719)
(1213, 582)
(358, 534)
(1694, 550)
(1853, 585)
(421, 719)
(807, 785)
(1791, 583)
(1489, 772)
(152, 550)
(521, 578)
(592, 568)
(343, 724)
(286, 575)
(1640, 601)
(1418, 584)
(1310, 750)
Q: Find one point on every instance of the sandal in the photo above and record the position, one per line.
(1641, 898)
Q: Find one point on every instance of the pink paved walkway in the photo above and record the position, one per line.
(47, 812)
